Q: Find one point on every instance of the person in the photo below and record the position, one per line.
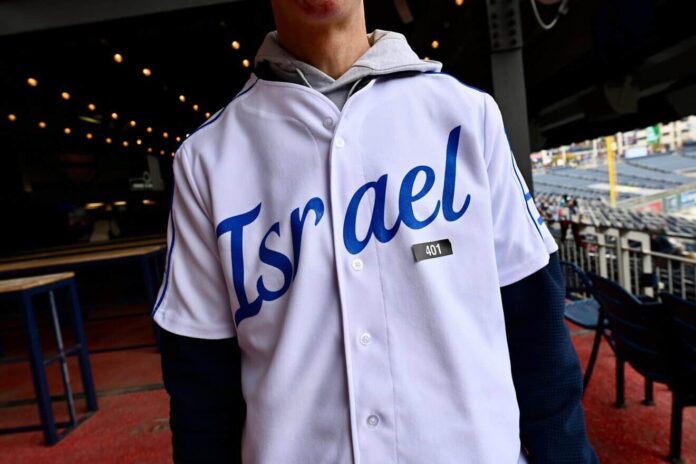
(575, 220)
(662, 243)
(356, 270)
(564, 217)
(105, 227)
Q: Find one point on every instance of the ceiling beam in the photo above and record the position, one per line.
(19, 16)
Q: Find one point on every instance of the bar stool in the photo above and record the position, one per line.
(24, 289)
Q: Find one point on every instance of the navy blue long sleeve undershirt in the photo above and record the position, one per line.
(203, 379)
(545, 369)
(207, 409)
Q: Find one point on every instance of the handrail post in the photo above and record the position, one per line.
(647, 261)
(602, 252)
(646, 258)
(624, 258)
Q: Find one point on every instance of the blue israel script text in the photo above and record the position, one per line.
(234, 226)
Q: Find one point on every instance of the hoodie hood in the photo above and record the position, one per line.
(389, 53)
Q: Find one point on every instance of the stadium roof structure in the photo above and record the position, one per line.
(93, 90)
(607, 65)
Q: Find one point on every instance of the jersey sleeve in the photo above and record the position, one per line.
(522, 240)
(193, 300)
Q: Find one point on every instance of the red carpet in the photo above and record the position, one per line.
(127, 429)
(119, 370)
(131, 427)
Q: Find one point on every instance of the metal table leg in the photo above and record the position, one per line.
(62, 359)
(83, 355)
(36, 359)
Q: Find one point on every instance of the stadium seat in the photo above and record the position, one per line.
(643, 335)
(684, 390)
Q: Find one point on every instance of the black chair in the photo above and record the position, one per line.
(583, 310)
(644, 336)
(684, 390)
(637, 320)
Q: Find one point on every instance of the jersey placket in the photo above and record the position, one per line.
(365, 331)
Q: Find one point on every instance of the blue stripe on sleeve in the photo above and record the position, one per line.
(169, 265)
(527, 195)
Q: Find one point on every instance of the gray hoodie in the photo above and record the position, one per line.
(389, 53)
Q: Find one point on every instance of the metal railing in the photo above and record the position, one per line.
(624, 256)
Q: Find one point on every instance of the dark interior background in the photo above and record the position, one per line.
(608, 65)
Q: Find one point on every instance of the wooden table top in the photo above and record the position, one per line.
(27, 283)
(79, 258)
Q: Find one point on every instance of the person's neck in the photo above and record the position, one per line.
(332, 49)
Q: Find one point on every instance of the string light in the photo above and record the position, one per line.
(435, 44)
(147, 72)
(11, 117)
(235, 45)
(207, 115)
(459, 2)
(246, 63)
(120, 203)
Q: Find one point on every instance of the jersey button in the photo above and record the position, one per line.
(373, 421)
(328, 123)
(365, 339)
(357, 264)
(339, 142)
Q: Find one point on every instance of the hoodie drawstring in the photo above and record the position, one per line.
(299, 71)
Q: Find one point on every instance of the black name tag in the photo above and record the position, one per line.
(431, 250)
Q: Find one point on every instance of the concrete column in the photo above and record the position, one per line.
(507, 67)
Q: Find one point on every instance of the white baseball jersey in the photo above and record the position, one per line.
(357, 256)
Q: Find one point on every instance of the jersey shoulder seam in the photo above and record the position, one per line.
(456, 80)
(244, 92)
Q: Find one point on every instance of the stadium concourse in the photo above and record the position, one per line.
(132, 423)
(97, 98)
